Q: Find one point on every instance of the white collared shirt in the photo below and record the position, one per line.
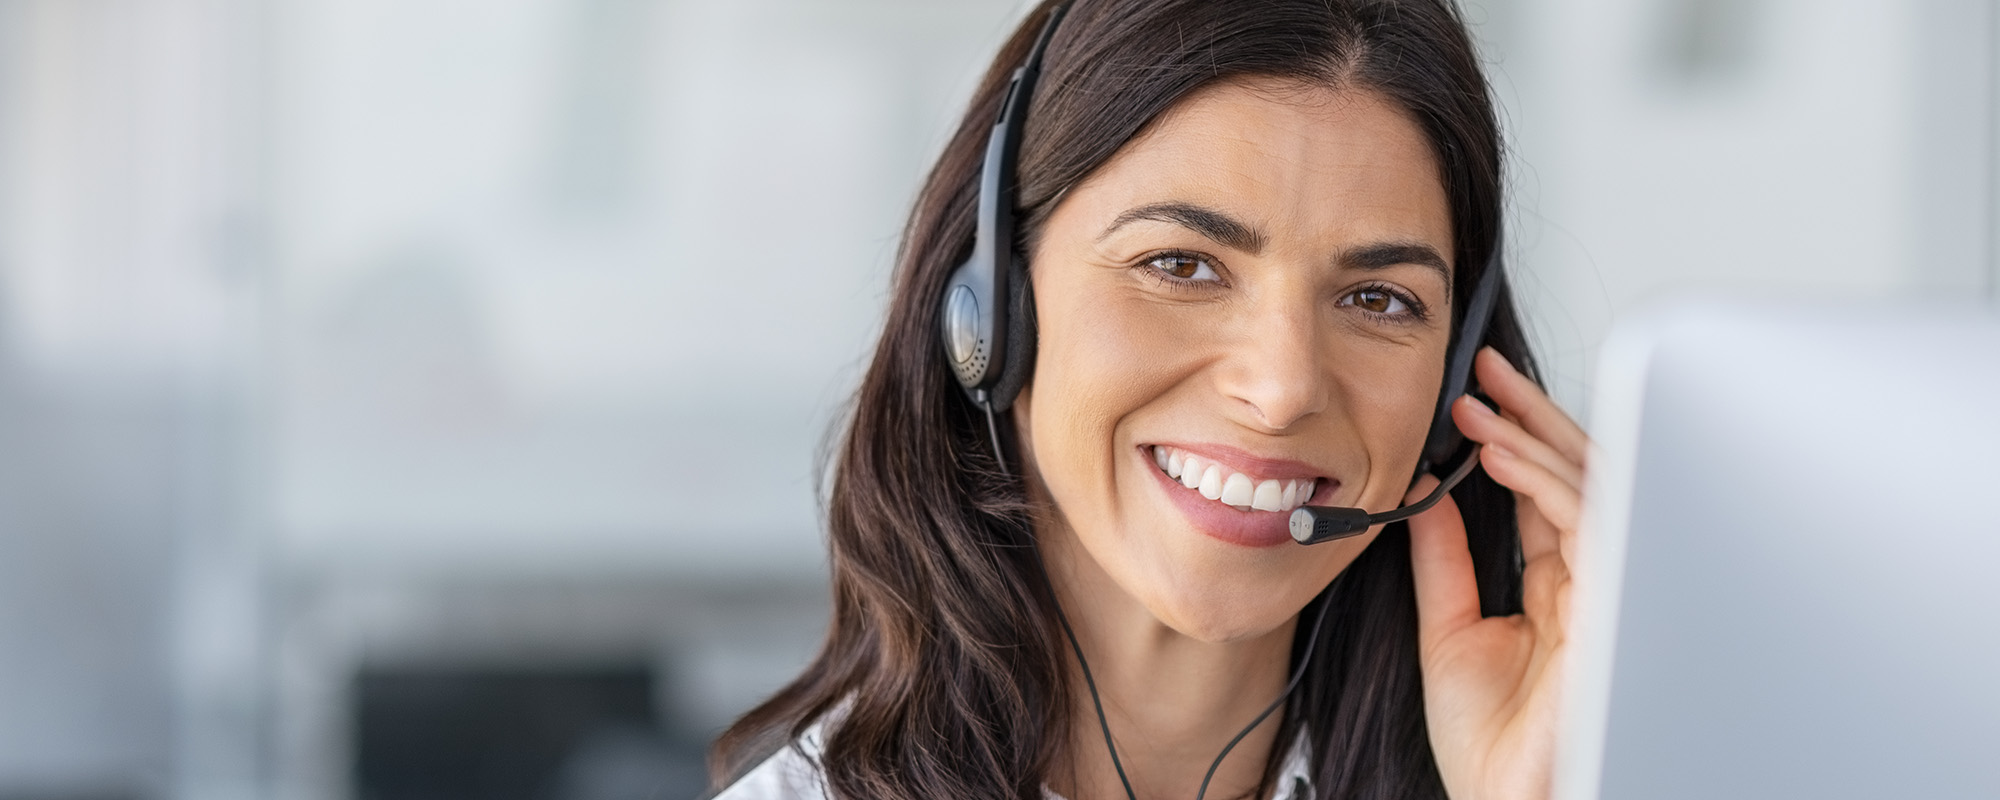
(794, 774)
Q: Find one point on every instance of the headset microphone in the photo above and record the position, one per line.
(1316, 524)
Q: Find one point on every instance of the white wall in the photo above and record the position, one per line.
(1743, 147)
(583, 283)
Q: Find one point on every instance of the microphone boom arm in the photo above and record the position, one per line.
(1316, 524)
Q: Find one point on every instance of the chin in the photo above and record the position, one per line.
(1218, 617)
(1229, 600)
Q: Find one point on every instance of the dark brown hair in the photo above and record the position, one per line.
(944, 652)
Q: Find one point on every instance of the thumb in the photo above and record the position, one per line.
(1447, 591)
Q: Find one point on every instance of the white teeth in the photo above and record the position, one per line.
(1211, 483)
(1237, 490)
(1217, 482)
(1268, 498)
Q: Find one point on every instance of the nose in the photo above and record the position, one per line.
(1273, 371)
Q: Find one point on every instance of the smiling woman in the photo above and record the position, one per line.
(1247, 231)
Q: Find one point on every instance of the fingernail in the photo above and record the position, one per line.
(1500, 452)
(1474, 403)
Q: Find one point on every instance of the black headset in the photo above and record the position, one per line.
(989, 293)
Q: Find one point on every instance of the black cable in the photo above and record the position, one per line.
(1094, 701)
(1312, 641)
(993, 431)
(1299, 672)
(1097, 703)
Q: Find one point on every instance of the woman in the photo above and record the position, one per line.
(1248, 229)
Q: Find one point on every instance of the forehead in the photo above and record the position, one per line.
(1308, 162)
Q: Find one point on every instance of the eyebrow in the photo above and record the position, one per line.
(1215, 225)
(1391, 254)
(1230, 232)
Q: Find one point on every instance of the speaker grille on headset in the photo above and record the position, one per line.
(970, 370)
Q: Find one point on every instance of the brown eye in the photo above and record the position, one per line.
(1377, 301)
(1183, 266)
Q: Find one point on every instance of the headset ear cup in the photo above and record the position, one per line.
(1022, 334)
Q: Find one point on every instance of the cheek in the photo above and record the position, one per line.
(1109, 366)
(1105, 363)
(1099, 363)
(1392, 407)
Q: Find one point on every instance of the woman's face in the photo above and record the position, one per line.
(1256, 293)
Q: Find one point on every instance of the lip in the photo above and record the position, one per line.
(1251, 528)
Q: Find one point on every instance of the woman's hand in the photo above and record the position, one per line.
(1492, 685)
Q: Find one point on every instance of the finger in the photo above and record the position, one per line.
(1447, 589)
(1539, 536)
(1485, 426)
(1521, 397)
(1545, 578)
(1556, 499)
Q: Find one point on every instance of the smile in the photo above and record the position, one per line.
(1222, 484)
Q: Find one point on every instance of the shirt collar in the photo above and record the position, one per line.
(1295, 774)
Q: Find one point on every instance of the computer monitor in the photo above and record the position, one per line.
(1789, 577)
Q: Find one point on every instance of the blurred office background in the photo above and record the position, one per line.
(421, 398)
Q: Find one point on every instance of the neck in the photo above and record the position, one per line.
(1172, 702)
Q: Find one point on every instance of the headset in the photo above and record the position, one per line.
(988, 293)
